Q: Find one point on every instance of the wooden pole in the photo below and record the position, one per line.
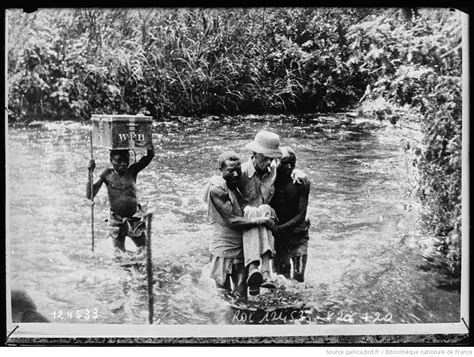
(149, 270)
(91, 178)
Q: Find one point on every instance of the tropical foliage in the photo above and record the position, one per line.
(417, 63)
(70, 63)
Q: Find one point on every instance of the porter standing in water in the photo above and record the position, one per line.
(126, 217)
(226, 216)
(290, 202)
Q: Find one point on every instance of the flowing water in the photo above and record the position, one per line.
(364, 249)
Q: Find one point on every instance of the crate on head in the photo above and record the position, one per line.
(127, 132)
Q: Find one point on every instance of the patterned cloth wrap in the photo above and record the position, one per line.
(133, 226)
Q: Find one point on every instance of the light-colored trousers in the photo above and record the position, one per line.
(258, 240)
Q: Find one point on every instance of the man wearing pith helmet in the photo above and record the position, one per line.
(257, 188)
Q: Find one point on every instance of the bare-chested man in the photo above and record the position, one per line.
(125, 212)
(290, 203)
(225, 210)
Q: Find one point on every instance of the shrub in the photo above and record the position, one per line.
(418, 63)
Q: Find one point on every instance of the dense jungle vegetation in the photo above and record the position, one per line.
(70, 63)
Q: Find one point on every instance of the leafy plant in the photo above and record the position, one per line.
(418, 63)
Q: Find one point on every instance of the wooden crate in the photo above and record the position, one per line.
(121, 131)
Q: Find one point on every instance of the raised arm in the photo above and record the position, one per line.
(224, 208)
(145, 160)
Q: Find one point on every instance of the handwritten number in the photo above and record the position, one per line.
(365, 317)
(350, 317)
(69, 314)
(271, 316)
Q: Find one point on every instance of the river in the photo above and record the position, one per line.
(365, 241)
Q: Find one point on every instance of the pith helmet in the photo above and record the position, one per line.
(266, 143)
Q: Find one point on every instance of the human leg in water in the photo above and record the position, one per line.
(254, 278)
(118, 235)
(282, 261)
(238, 280)
(267, 279)
(299, 267)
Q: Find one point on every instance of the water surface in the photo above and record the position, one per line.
(364, 248)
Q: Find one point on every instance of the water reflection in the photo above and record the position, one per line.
(361, 220)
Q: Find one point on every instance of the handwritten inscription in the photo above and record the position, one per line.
(241, 316)
(83, 314)
(293, 315)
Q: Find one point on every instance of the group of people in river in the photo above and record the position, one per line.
(257, 210)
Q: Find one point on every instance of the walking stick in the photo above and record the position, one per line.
(91, 178)
(149, 272)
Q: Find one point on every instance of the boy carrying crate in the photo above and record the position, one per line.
(125, 211)
(126, 215)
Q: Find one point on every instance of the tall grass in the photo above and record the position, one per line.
(178, 61)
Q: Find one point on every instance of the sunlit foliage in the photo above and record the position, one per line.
(70, 63)
(416, 61)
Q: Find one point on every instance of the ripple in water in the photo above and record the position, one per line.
(364, 240)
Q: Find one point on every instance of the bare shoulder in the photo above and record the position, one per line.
(218, 191)
(303, 179)
(306, 181)
(105, 174)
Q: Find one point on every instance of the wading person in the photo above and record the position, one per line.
(290, 202)
(226, 216)
(126, 216)
(257, 188)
